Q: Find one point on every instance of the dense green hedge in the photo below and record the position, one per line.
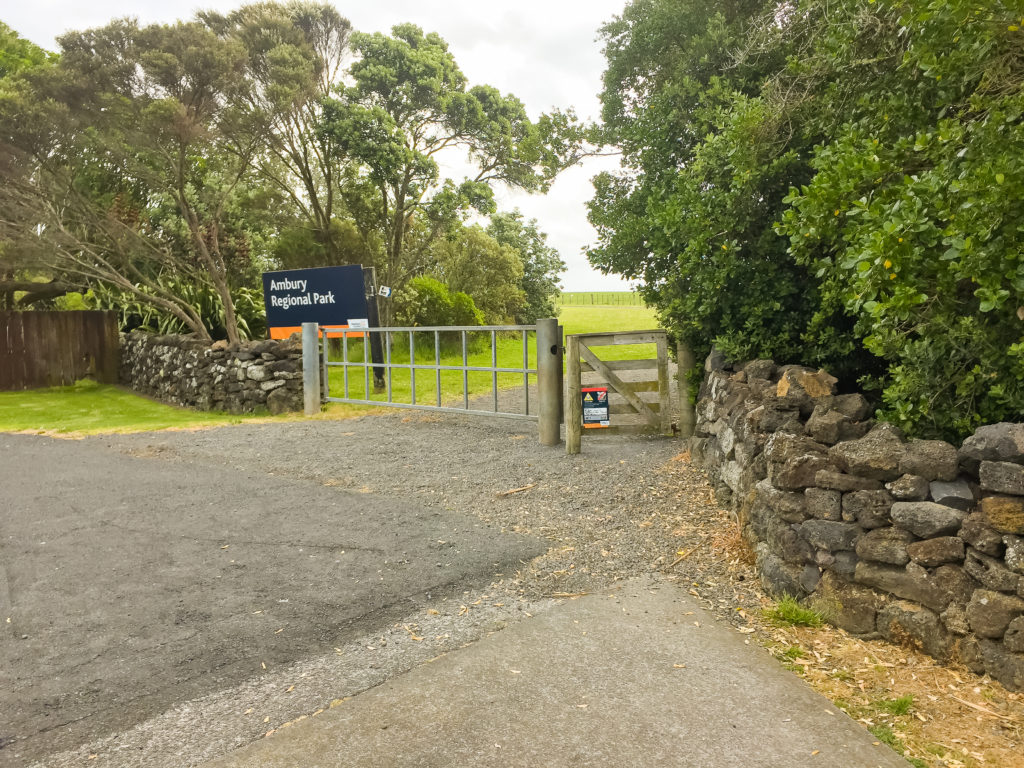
(830, 183)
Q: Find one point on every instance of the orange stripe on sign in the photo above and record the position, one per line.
(283, 332)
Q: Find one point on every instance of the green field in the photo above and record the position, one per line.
(596, 319)
(600, 298)
(574, 319)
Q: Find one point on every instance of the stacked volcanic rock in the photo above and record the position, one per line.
(917, 541)
(218, 377)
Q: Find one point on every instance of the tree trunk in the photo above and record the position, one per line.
(214, 265)
(230, 318)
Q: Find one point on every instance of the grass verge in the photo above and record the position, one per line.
(935, 716)
(90, 408)
(790, 612)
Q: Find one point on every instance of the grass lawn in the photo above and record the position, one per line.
(596, 319)
(91, 408)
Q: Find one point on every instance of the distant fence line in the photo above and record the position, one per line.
(50, 349)
(601, 298)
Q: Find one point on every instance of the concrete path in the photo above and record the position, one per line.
(639, 677)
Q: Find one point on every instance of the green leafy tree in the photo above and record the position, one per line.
(126, 163)
(541, 264)
(17, 286)
(829, 183)
(298, 52)
(18, 54)
(408, 102)
(472, 262)
(705, 167)
(913, 216)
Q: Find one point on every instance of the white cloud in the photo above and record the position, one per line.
(544, 52)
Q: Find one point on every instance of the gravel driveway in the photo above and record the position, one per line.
(594, 509)
(531, 526)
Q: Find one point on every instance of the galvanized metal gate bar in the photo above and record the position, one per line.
(437, 367)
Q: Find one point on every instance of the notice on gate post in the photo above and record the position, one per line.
(595, 407)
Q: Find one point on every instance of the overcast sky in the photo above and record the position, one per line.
(544, 52)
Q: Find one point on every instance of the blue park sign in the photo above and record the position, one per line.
(332, 296)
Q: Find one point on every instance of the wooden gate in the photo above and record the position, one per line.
(49, 349)
(636, 404)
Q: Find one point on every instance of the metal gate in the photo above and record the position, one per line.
(421, 356)
(359, 366)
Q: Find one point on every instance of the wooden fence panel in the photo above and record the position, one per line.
(69, 338)
(32, 341)
(108, 363)
(47, 349)
(12, 356)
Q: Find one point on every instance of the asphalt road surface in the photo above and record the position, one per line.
(130, 585)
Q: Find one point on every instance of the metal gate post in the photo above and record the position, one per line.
(561, 392)
(549, 380)
(311, 367)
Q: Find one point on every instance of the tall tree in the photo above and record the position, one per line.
(124, 160)
(298, 52)
(705, 168)
(474, 263)
(826, 182)
(541, 263)
(18, 55)
(408, 103)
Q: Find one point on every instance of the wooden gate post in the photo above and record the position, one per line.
(665, 412)
(687, 412)
(549, 380)
(574, 410)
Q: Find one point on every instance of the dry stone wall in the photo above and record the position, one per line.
(183, 371)
(918, 541)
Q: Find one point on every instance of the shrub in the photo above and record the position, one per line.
(426, 301)
(137, 315)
